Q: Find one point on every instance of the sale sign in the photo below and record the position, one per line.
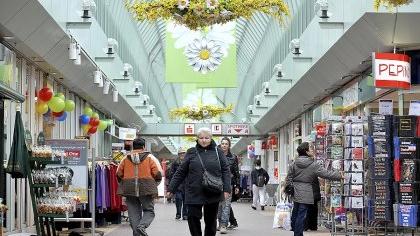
(391, 70)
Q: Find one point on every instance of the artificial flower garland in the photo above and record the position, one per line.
(201, 112)
(198, 14)
(391, 3)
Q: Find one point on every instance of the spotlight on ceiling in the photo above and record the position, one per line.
(322, 5)
(294, 46)
(88, 6)
(112, 46)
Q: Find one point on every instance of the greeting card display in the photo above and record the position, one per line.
(356, 190)
(357, 153)
(408, 147)
(357, 202)
(408, 193)
(408, 170)
(405, 126)
(336, 201)
(380, 125)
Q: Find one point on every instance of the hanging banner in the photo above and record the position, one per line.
(391, 70)
(206, 58)
(386, 106)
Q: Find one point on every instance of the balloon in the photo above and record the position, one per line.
(69, 105)
(85, 128)
(62, 117)
(110, 122)
(41, 107)
(45, 94)
(60, 95)
(56, 104)
(58, 114)
(94, 122)
(48, 112)
(95, 115)
(87, 111)
(84, 119)
(92, 130)
(102, 125)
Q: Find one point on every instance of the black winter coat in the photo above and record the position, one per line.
(234, 169)
(174, 168)
(191, 171)
(255, 173)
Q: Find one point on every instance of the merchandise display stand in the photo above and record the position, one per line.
(344, 151)
(354, 166)
(44, 222)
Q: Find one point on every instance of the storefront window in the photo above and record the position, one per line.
(7, 58)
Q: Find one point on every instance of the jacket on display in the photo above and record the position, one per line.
(255, 173)
(139, 175)
(191, 171)
(303, 172)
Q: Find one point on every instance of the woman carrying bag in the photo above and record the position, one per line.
(299, 183)
(207, 182)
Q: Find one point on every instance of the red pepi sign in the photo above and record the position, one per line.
(391, 70)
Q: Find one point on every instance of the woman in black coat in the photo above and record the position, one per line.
(196, 198)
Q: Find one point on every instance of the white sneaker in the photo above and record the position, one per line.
(223, 230)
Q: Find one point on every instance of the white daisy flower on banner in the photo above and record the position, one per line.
(204, 55)
(200, 96)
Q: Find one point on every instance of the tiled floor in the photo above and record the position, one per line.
(250, 222)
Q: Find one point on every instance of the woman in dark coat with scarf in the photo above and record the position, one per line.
(196, 198)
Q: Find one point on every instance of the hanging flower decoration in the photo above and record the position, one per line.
(182, 4)
(391, 3)
(196, 14)
(204, 55)
(212, 4)
(202, 112)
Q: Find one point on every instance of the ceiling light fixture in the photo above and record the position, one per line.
(78, 60)
(294, 46)
(88, 6)
(115, 95)
(106, 86)
(97, 76)
(112, 46)
(323, 9)
(72, 50)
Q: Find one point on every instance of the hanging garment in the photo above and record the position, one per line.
(98, 188)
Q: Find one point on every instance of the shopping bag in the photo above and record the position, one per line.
(282, 215)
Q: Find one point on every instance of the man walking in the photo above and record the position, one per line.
(259, 179)
(138, 175)
(180, 192)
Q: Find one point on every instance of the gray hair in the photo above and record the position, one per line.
(204, 130)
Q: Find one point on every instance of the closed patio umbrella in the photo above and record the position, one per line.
(16, 165)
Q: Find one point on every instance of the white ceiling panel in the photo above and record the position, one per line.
(27, 20)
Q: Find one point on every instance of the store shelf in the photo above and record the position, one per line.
(44, 185)
(50, 215)
(44, 161)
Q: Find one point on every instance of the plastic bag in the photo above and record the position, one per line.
(282, 215)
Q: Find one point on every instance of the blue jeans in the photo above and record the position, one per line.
(180, 204)
(224, 211)
(298, 218)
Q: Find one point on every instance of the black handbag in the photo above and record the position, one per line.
(211, 183)
(289, 189)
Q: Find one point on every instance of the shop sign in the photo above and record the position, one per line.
(321, 129)
(258, 148)
(391, 70)
(216, 128)
(189, 129)
(236, 129)
(386, 106)
(75, 158)
(127, 133)
(414, 109)
(272, 142)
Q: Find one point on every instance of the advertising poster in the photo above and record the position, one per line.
(75, 157)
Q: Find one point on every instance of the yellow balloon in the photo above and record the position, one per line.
(41, 107)
(85, 128)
